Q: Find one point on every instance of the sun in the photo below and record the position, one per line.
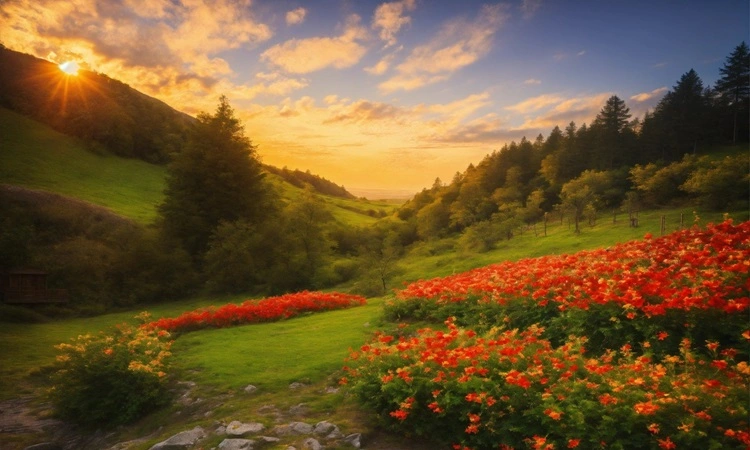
(69, 67)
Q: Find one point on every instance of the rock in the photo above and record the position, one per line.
(181, 441)
(236, 444)
(324, 428)
(239, 429)
(332, 390)
(293, 428)
(301, 427)
(355, 440)
(296, 385)
(249, 389)
(312, 444)
(268, 440)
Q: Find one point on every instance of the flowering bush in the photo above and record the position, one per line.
(265, 310)
(514, 390)
(692, 283)
(112, 378)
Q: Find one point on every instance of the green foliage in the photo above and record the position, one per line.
(722, 183)
(113, 378)
(217, 177)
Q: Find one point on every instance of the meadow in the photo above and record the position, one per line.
(310, 348)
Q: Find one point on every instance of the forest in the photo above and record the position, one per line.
(222, 228)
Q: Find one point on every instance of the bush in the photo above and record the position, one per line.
(113, 378)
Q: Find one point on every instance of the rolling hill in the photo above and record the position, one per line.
(35, 156)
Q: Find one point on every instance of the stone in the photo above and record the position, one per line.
(239, 429)
(324, 428)
(249, 389)
(293, 428)
(296, 385)
(236, 444)
(301, 427)
(355, 440)
(181, 441)
(269, 439)
(312, 444)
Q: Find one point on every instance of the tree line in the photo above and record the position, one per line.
(615, 162)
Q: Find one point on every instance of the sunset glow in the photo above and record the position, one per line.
(386, 94)
(69, 67)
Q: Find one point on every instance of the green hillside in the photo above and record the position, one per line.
(33, 155)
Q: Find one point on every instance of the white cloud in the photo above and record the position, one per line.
(312, 54)
(389, 18)
(532, 81)
(458, 44)
(296, 16)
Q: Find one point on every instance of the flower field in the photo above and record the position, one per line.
(251, 311)
(642, 345)
(693, 283)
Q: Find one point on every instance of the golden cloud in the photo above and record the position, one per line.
(312, 54)
(458, 44)
(296, 16)
(644, 96)
(389, 18)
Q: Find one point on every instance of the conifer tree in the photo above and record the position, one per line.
(734, 87)
(216, 178)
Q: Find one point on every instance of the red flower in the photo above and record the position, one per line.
(666, 443)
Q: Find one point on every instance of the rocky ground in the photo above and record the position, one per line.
(27, 425)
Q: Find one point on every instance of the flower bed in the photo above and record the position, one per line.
(514, 390)
(692, 283)
(257, 311)
(641, 345)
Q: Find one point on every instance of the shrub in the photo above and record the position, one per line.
(113, 378)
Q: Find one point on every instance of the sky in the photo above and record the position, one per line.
(384, 97)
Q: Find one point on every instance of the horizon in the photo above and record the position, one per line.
(387, 96)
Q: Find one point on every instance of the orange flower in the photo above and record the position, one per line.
(645, 408)
(573, 443)
(554, 415)
(662, 335)
(472, 429)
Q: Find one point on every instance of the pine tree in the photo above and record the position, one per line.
(734, 85)
(216, 178)
(609, 128)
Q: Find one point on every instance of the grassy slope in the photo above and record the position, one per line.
(35, 156)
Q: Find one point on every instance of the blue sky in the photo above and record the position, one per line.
(387, 94)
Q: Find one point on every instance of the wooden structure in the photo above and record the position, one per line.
(28, 286)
